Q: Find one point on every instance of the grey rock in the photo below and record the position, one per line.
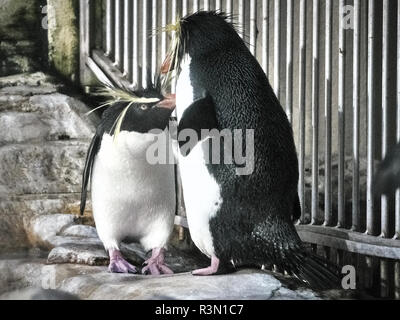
(80, 253)
(28, 79)
(46, 227)
(38, 294)
(80, 231)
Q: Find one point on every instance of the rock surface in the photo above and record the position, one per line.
(42, 153)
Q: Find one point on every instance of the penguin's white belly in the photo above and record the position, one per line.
(131, 198)
(200, 190)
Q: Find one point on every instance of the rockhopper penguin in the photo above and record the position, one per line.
(132, 200)
(238, 220)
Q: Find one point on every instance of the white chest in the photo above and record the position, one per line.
(200, 190)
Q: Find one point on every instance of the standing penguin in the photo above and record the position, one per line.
(238, 220)
(131, 199)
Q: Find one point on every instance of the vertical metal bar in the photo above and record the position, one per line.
(371, 122)
(218, 5)
(277, 48)
(145, 38)
(229, 9)
(289, 61)
(185, 9)
(356, 117)
(135, 44)
(253, 26)
(173, 20)
(341, 116)
(109, 27)
(118, 32)
(385, 66)
(206, 5)
(315, 114)
(328, 113)
(265, 33)
(302, 104)
(154, 15)
(384, 277)
(397, 280)
(163, 24)
(397, 210)
(242, 26)
(127, 38)
(195, 5)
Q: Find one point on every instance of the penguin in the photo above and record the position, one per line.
(132, 199)
(237, 219)
(387, 178)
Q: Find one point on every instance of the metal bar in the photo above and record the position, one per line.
(85, 41)
(135, 44)
(127, 57)
(206, 5)
(371, 122)
(328, 113)
(356, 117)
(109, 27)
(341, 116)
(229, 9)
(185, 9)
(118, 27)
(315, 114)
(163, 24)
(302, 104)
(385, 66)
(397, 280)
(218, 5)
(253, 26)
(241, 18)
(154, 15)
(289, 61)
(173, 20)
(145, 38)
(397, 209)
(265, 31)
(196, 5)
(277, 48)
(384, 278)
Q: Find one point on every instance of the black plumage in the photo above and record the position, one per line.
(254, 224)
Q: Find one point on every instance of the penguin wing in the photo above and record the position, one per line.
(87, 172)
(198, 116)
(387, 178)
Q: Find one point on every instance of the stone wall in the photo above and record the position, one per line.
(22, 37)
(45, 136)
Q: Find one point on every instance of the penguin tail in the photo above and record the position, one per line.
(315, 271)
(87, 172)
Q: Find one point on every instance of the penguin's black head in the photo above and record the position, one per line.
(141, 110)
(201, 33)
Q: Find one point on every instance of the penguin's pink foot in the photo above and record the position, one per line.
(211, 270)
(118, 264)
(156, 265)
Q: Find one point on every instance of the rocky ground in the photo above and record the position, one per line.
(45, 135)
(76, 268)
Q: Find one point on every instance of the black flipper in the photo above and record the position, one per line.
(387, 178)
(200, 115)
(87, 172)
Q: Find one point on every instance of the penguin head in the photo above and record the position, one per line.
(139, 110)
(199, 34)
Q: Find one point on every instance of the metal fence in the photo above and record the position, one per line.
(335, 66)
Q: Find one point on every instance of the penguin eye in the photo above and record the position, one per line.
(144, 107)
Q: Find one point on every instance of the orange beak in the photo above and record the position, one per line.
(169, 102)
(167, 65)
